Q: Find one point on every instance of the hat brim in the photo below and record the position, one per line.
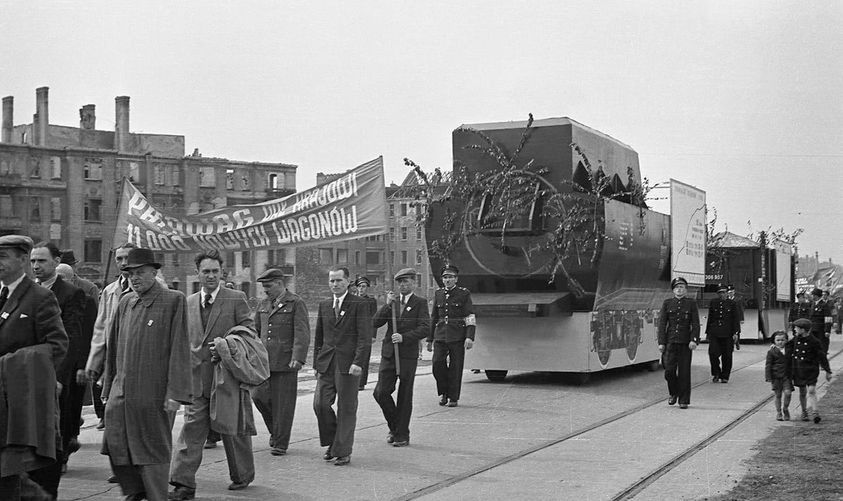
(135, 266)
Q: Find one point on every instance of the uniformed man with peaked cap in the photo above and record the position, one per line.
(363, 285)
(452, 326)
(679, 335)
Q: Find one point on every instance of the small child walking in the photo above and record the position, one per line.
(777, 372)
(806, 357)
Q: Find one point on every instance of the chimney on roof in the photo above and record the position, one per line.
(42, 115)
(88, 117)
(8, 119)
(121, 127)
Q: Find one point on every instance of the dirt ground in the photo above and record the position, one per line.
(799, 461)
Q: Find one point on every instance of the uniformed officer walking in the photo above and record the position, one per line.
(452, 327)
(722, 330)
(800, 309)
(679, 334)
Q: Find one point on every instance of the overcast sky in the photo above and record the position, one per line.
(741, 99)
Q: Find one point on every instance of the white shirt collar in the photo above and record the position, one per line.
(341, 298)
(49, 283)
(406, 296)
(213, 294)
(12, 286)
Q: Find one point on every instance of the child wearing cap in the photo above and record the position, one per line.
(806, 358)
(777, 372)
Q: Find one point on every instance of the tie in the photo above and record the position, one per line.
(336, 307)
(4, 295)
(403, 305)
(208, 302)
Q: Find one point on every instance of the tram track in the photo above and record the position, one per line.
(638, 486)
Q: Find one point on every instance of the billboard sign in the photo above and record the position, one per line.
(688, 233)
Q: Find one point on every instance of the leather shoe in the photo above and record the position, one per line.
(210, 444)
(181, 493)
(101, 425)
(401, 443)
(112, 479)
(715, 379)
(342, 461)
(328, 456)
(672, 400)
(277, 451)
(72, 446)
(236, 486)
(443, 400)
(724, 380)
(390, 438)
(452, 403)
(683, 406)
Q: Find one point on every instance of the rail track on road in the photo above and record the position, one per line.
(638, 486)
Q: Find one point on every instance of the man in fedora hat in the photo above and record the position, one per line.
(722, 329)
(452, 327)
(147, 376)
(31, 327)
(283, 326)
(679, 335)
(401, 341)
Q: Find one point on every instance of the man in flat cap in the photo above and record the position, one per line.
(452, 329)
(821, 318)
(363, 285)
(211, 313)
(147, 376)
(413, 324)
(343, 332)
(284, 328)
(33, 344)
(722, 329)
(679, 335)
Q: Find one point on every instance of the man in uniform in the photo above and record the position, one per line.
(722, 329)
(452, 327)
(679, 335)
(800, 309)
(821, 318)
(363, 285)
(284, 328)
(413, 325)
(147, 376)
(211, 312)
(343, 332)
(29, 317)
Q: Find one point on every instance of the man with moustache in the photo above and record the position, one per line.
(679, 335)
(343, 332)
(284, 328)
(147, 376)
(44, 258)
(32, 338)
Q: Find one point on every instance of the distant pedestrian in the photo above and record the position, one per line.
(679, 335)
(800, 309)
(806, 358)
(363, 285)
(452, 328)
(722, 329)
(777, 371)
(821, 318)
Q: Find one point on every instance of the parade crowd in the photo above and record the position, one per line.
(146, 350)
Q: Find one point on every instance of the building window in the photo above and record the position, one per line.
(392, 234)
(373, 257)
(195, 287)
(356, 257)
(134, 172)
(419, 256)
(6, 206)
(276, 257)
(92, 169)
(92, 210)
(55, 209)
(403, 257)
(175, 176)
(35, 210)
(35, 167)
(229, 179)
(207, 177)
(403, 233)
(176, 262)
(245, 259)
(403, 209)
(391, 257)
(391, 210)
(93, 251)
(4, 168)
(342, 256)
(275, 181)
(229, 259)
(159, 174)
(326, 256)
(244, 182)
(55, 167)
(418, 233)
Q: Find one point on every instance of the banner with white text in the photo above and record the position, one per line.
(350, 206)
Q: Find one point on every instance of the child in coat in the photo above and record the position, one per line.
(777, 372)
(806, 358)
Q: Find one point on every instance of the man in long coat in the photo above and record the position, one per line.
(147, 376)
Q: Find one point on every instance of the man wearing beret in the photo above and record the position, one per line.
(821, 319)
(147, 376)
(32, 338)
(679, 335)
(452, 329)
(413, 324)
(722, 329)
(363, 285)
(284, 328)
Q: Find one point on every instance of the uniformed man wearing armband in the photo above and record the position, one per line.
(452, 327)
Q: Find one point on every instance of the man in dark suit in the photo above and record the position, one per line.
(211, 312)
(363, 285)
(413, 323)
(678, 335)
(343, 331)
(44, 258)
(820, 318)
(29, 316)
(722, 329)
(284, 329)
